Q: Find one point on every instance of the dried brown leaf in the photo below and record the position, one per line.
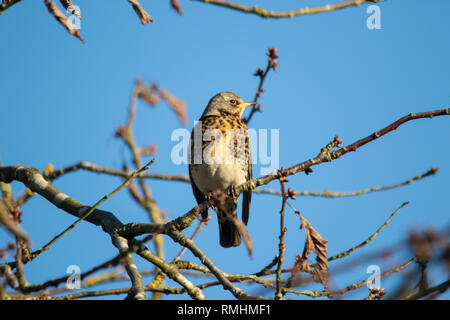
(142, 14)
(315, 243)
(149, 96)
(176, 104)
(245, 235)
(176, 6)
(149, 150)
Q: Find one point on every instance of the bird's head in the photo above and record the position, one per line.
(226, 102)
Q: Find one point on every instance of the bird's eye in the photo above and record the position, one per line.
(233, 101)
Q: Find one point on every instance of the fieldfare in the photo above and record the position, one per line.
(220, 160)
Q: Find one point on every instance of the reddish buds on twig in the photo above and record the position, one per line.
(376, 294)
(337, 141)
(259, 72)
(291, 193)
(273, 56)
(119, 131)
(149, 150)
(262, 74)
(333, 144)
(282, 174)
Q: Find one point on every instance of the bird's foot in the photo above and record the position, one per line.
(232, 192)
(217, 198)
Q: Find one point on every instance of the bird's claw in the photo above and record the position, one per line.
(232, 191)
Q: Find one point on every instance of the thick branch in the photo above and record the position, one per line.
(226, 283)
(33, 179)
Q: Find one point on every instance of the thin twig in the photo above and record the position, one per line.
(281, 244)
(202, 223)
(362, 244)
(91, 167)
(84, 165)
(362, 283)
(226, 283)
(351, 287)
(61, 18)
(326, 156)
(441, 288)
(271, 64)
(267, 269)
(108, 292)
(334, 194)
(285, 14)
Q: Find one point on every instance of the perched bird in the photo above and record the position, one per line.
(220, 159)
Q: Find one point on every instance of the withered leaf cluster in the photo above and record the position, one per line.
(315, 243)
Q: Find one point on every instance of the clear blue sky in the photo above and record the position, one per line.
(61, 102)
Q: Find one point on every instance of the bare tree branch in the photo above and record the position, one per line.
(362, 244)
(272, 64)
(440, 288)
(264, 13)
(326, 156)
(11, 225)
(66, 23)
(335, 194)
(33, 179)
(281, 243)
(6, 4)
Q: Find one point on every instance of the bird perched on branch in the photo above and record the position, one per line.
(220, 160)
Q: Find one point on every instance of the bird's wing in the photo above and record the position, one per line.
(199, 196)
(247, 198)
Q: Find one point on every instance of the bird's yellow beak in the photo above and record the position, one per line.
(246, 104)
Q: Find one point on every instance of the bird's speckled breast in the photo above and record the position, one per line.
(211, 175)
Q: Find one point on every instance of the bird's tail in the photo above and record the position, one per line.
(228, 232)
